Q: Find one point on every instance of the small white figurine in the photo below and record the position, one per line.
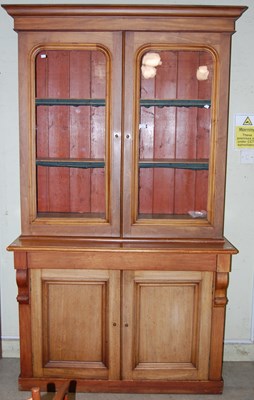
(149, 63)
(202, 73)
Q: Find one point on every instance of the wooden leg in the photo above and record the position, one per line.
(36, 393)
(62, 392)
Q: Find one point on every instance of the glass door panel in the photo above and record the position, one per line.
(71, 131)
(174, 134)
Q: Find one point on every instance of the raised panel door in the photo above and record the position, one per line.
(75, 323)
(166, 325)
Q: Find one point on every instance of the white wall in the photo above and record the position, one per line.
(239, 219)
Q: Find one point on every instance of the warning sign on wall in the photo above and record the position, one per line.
(244, 132)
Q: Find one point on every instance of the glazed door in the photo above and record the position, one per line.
(171, 143)
(75, 323)
(166, 325)
(74, 133)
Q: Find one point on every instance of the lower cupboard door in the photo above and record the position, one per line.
(166, 325)
(75, 323)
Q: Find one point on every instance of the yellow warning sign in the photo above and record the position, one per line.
(244, 137)
(244, 132)
(247, 121)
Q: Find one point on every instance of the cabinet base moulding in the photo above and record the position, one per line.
(176, 387)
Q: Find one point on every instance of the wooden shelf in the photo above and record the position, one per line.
(177, 164)
(175, 103)
(71, 163)
(70, 102)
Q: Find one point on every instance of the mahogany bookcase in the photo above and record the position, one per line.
(122, 267)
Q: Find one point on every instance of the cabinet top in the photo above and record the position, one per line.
(123, 17)
(50, 243)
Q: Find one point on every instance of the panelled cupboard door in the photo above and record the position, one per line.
(75, 323)
(71, 133)
(166, 325)
(175, 140)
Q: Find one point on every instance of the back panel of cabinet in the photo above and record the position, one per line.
(174, 138)
(71, 129)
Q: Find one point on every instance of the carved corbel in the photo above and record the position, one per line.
(23, 286)
(221, 285)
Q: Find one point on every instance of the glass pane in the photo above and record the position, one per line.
(174, 134)
(70, 133)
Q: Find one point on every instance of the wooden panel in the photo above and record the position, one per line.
(76, 323)
(80, 144)
(161, 309)
(157, 139)
(186, 131)
(26, 354)
(64, 302)
(164, 146)
(167, 319)
(58, 122)
(52, 81)
(146, 147)
(122, 260)
(176, 134)
(65, 132)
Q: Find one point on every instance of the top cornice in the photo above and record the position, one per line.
(123, 17)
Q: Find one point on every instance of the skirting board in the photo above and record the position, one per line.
(10, 348)
(239, 351)
(232, 351)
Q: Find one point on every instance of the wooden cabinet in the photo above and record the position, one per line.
(76, 324)
(122, 267)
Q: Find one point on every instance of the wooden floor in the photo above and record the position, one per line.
(238, 377)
